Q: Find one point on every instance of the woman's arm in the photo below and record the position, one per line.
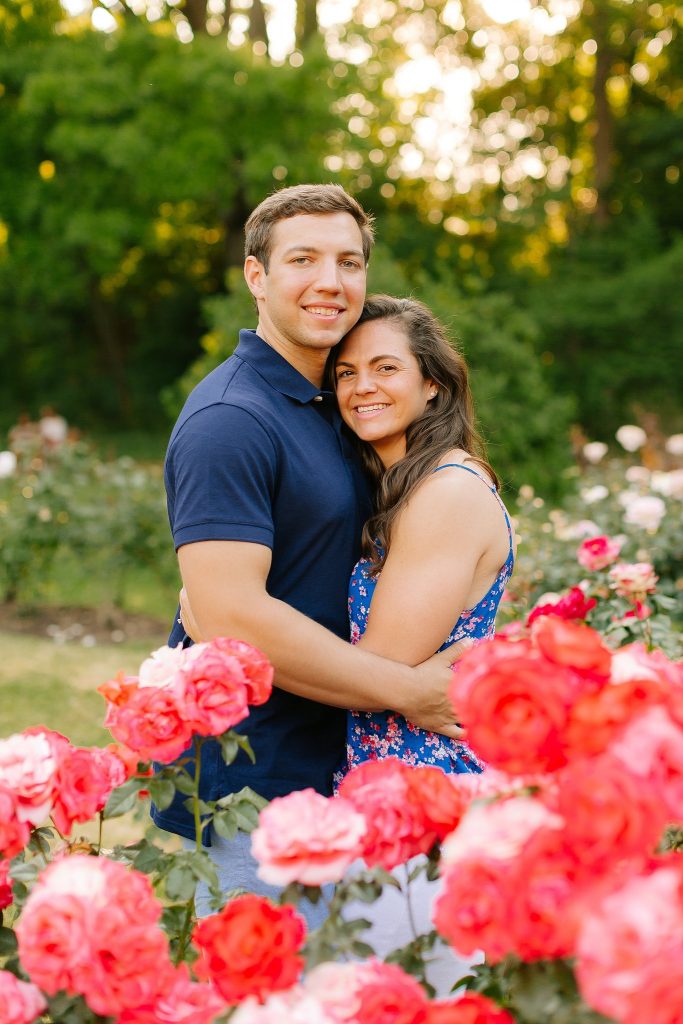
(448, 543)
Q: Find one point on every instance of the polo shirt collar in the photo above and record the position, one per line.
(274, 368)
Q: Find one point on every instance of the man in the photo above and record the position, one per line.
(266, 503)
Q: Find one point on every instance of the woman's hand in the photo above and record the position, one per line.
(433, 710)
(187, 618)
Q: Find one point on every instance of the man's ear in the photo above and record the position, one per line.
(254, 274)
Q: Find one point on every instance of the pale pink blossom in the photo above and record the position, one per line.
(28, 766)
(296, 1006)
(669, 484)
(633, 580)
(498, 830)
(20, 1002)
(8, 464)
(578, 530)
(182, 1001)
(592, 495)
(674, 444)
(305, 837)
(594, 451)
(645, 511)
(163, 668)
(631, 437)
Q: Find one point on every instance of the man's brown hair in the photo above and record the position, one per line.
(301, 199)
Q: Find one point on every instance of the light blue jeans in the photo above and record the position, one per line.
(236, 868)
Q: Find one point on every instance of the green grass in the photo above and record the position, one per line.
(42, 683)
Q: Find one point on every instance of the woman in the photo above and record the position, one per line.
(439, 548)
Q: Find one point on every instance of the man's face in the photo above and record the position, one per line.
(314, 289)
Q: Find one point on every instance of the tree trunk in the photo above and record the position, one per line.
(306, 21)
(257, 23)
(195, 12)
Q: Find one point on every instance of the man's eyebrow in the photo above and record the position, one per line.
(313, 249)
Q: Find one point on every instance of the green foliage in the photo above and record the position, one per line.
(109, 516)
(611, 320)
(136, 161)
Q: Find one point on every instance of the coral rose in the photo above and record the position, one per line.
(250, 948)
(597, 553)
(472, 910)
(215, 692)
(20, 1002)
(575, 646)
(257, 670)
(305, 837)
(152, 722)
(514, 704)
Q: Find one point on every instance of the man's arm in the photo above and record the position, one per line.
(226, 588)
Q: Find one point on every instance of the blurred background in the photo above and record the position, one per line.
(521, 157)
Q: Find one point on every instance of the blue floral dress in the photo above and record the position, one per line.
(378, 734)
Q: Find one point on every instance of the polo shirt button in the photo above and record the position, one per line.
(318, 398)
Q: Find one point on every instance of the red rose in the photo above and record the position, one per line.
(573, 606)
(250, 948)
(387, 995)
(468, 1009)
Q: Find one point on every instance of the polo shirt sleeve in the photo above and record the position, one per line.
(221, 473)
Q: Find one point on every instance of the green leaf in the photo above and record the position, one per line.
(225, 824)
(8, 942)
(180, 883)
(124, 798)
(162, 792)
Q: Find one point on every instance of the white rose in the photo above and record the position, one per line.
(630, 437)
(646, 511)
(674, 444)
(594, 451)
(8, 464)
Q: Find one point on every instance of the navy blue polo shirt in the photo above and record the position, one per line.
(258, 455)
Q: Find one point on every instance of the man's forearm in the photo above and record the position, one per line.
(311, 661)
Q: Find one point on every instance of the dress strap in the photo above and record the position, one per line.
(491, 487)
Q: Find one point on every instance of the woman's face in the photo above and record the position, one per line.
(380, 389)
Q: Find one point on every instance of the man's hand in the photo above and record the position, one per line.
(433, 710)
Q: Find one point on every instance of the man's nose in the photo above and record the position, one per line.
(329, 276)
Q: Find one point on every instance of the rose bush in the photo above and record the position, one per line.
(560, 862)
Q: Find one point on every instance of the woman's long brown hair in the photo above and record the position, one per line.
(447, 422)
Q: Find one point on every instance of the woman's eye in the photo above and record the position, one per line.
(387, 367)
(343, 374)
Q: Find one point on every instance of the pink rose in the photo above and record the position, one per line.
(658, 766)
(28, 767)
(304, 837)
(183, 1001)
(215, 692)
(397, 828)
(630, 948)
(633, 580)
(14, 834)
(387, 995)
(257, 670)
(90, 927)
(597, 553)
(20, 1002)
(85, 779)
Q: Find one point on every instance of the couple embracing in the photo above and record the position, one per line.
(337, 444)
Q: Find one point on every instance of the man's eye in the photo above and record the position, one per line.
(300, 259)
(351, 265)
